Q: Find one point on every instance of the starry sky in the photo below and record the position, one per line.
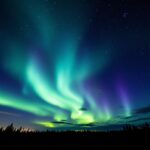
(72, 64)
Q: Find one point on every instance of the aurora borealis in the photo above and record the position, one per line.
(73, 64)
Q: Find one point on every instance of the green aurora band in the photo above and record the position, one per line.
(57, 79)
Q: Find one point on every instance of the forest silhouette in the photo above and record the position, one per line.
(129, 134)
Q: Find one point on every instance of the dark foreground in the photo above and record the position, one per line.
(122, 139)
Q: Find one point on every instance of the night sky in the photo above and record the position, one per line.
(71, 64)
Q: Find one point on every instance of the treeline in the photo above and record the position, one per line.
(11, 129)
(126, 128)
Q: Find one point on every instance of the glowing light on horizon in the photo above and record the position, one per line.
(46, 124)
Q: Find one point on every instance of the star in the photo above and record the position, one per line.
(125, 14)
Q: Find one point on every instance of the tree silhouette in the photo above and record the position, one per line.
(10, 128)
(146, 126)
(1, 129)
(19, 129)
